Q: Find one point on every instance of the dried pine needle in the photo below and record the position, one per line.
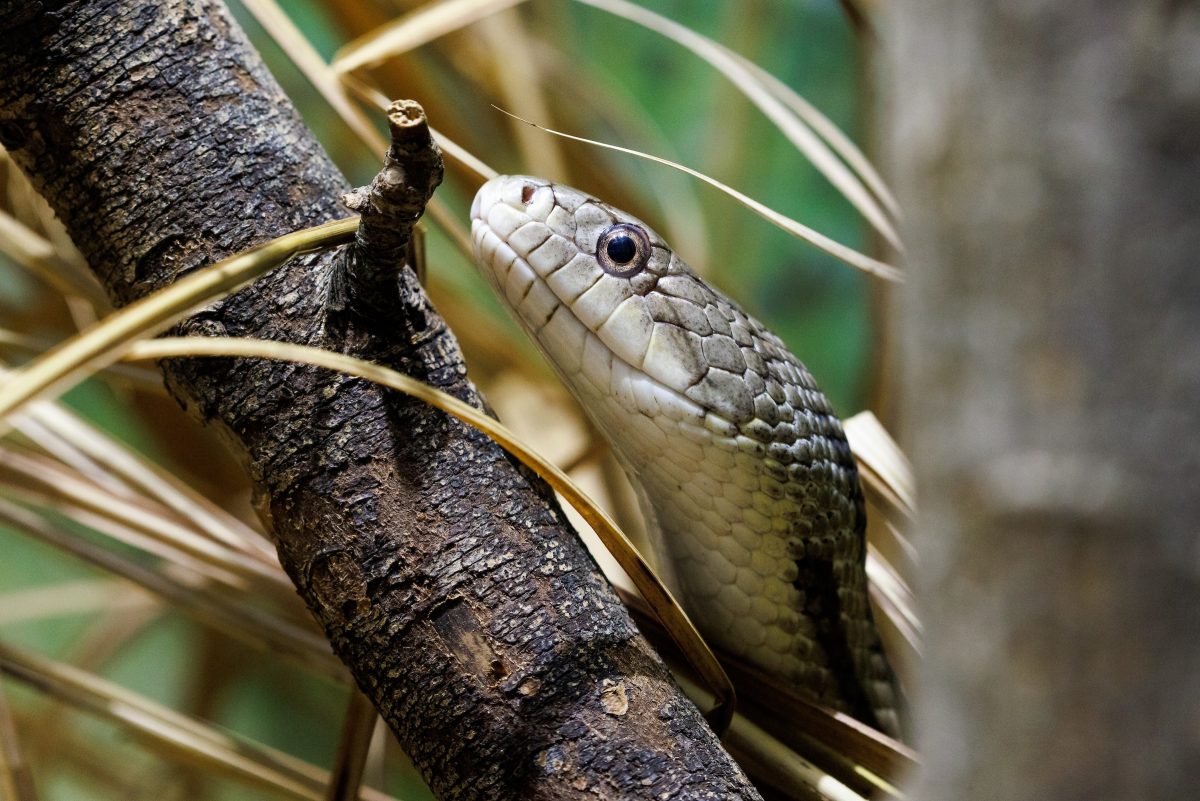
(43, 477)
(118, 463)
(234, 611)
(521, 84)
(824, 127)
(39, 257)
(889, 469)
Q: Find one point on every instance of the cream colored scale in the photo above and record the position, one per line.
(748, 485)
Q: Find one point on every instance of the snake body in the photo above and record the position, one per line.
(745, 477)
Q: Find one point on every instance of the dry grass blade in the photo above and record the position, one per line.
(16, 783)
(101, 345)
(521, 84)
(888, 484)
(890, 472)
(319, 74)
(899, 630)
(332, 86)
(797, 721)
(447, 220)
(824, 127)
(465, 157)
(854, 752)
(62, 488)
(792, 126)
(647, 582)
(58, 447)
(113, 529)
(353, 748)
(78, 597)
(839, 251)
(112, 525)
(890, 585)
(456, 151)
(768, 760)
(413, 30)
(774, 762)
(901, 551)
(120, 464)
(39, 256)
(191, 592)
(124, 375)
(188, 738)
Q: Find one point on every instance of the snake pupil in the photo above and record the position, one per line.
(621, 249)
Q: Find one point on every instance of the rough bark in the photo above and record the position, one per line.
(448, 583)
(1048, 155)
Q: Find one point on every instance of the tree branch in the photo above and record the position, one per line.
(446, 580)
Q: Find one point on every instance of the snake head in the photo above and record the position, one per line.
(619, 314)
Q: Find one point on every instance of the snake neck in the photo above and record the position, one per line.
(743, 467)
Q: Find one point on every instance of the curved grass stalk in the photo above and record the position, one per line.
(749, 84)
(413, 30)
(190, 739)
(129, 474)
(665, 607)
(836, 249)
(102, 344)
(825, 128)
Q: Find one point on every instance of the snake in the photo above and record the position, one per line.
(755, 514)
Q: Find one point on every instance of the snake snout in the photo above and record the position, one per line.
(516, 191)
(475, 207)
(487, 196)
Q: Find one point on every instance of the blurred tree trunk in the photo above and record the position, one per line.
(1049, 157)
(449, 583)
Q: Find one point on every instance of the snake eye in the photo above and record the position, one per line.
(623, 250)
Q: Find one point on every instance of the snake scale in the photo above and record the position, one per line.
(744, 475)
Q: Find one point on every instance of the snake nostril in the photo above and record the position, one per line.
(527, 193)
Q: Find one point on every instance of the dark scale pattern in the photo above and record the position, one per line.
(754, 381)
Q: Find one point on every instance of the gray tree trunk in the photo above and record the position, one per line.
(446, 580)
(1048, 154)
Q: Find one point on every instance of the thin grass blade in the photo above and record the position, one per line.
(188, 738)
(72, 361)
(672, 616)
(789, 124)
(839, 251)
(413, 30)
